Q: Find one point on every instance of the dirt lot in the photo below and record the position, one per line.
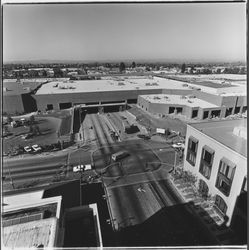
(49, 125)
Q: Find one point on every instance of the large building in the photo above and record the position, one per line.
(216, 152)
(17, 95)
(64, 94)
(213, 98)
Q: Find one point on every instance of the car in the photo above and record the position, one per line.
(28, 149)
(178, 145)
(145, 137)
(26, 136)
(36, 148)
(81, 168)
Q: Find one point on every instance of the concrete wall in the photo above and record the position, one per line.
(220, 152)
(177, 91)
(80, 98)
(214, 99)
(13, 104)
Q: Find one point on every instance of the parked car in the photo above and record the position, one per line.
(26, 136)
(36, 148)
(178, 145)
(28, 149)
(81, 168)
(145, 137)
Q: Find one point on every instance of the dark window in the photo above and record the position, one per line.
(178, 110)
(50, 107)
(244, 109)
(205, 114)
(225, 176)
(244, 186)
(206, 162)
(65, 105)
(194, 113)
(171, 110)
(215, 113)
(192, 150)
(228, 112)
(220, 204)
(236, 110)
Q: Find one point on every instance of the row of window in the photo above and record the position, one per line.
(226, 168)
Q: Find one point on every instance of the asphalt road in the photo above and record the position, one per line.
(136, 187)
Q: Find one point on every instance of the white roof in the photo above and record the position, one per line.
(109, 85)
(178, 100)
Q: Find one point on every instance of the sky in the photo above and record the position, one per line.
(106, 32)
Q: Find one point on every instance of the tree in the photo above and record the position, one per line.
(32, 119)
(183, 68)
(122, 67)
(133, 65)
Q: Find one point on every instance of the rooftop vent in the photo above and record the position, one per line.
(156, 98)
(241, 132)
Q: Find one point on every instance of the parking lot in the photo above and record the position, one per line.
(45, 131)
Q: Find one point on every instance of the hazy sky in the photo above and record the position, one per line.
(172, 32)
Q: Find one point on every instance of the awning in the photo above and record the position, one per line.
(228, 162)
(193, 139)
(207, 148)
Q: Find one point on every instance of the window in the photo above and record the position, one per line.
(244, 186)
(225, 176)
(244, 109)
(192, 150)
(206, 161)
(236, 110)
(171, 110)
(50, 107)
(220, 204)
(194, 113)
(203, 188)
(205, 114)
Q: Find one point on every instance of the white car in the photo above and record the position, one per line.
(36, 148)
(81, 168)
(178, 145)
(28, 149)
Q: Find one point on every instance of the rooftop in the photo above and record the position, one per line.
(113, 84)
(17, 88)
(179, 100)
(30, 234)
(222, 131)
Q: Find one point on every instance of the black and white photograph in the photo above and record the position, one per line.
(124, 125)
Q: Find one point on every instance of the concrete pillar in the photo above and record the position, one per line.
(200, 114)
(223, 112)
(209, 114)
(241, 108)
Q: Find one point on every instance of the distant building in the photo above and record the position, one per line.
(216, 152)
(17, 95)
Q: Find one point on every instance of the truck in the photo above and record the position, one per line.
(119, 155)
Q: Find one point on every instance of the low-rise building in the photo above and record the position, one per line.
(29, 220)
(216, 152)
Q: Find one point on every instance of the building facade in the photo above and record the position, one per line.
(216, 154)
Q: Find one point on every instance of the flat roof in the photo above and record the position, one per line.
(222, 131)
(30, 234)
(13, 87)
(113, 84)
(179, 100)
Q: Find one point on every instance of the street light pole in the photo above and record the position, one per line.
(175, 160)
